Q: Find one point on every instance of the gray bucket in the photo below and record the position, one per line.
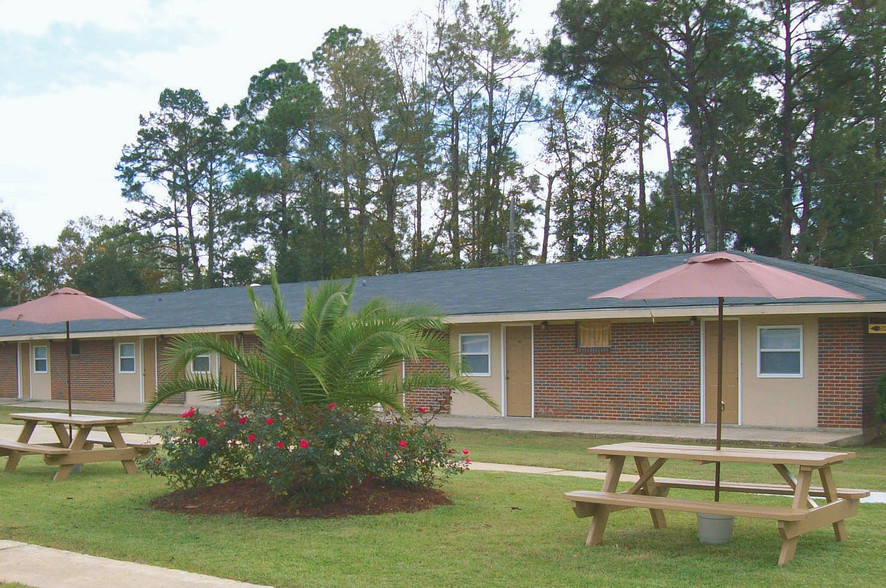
(715, 529)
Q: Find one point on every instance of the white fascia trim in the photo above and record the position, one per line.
(675, 312)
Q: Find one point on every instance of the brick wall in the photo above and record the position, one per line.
(650, 372)
(92, 372)
(841, 372)
(8, 370)
(436, 399)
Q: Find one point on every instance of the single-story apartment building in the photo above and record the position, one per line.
(534, 341)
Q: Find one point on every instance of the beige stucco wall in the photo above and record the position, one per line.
(468, 404)
(779, 402)
(127, 387)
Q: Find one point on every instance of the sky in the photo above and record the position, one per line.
(76, 75)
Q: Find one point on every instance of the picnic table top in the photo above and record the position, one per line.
(74, 419)
(725, 454)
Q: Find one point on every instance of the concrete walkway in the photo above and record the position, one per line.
(42, 567)
(645, 430)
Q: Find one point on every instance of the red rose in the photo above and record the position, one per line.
(188, 414)
(201, 441)
(280, 444)
(221, 424)
(422, 409)
(402, 443)
(251, 437)
(242, 421)
(304, 444)
(270, 421)
(386, 454)
(465, 451)
(331, 406)
(468, 460)
(157, 460)
(187, 430)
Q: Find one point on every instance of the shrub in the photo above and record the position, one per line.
(315, 455)
(881, 398)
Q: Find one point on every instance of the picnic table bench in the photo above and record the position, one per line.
(73, 450)
(649, 492)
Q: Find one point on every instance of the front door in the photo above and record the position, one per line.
(730, 371)
(518, 370)
(149, 369)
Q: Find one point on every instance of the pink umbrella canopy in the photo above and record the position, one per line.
(720, 275)
(65, 305)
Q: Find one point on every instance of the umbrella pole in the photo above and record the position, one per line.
(719, 394)
(68, 358)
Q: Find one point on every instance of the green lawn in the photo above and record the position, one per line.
(866, 470)
(151, 424)
(502, 530)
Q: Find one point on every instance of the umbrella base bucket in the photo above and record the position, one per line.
(715, 529)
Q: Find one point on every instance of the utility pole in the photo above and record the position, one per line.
(512, 234)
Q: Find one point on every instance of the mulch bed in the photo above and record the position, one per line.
(254, 498)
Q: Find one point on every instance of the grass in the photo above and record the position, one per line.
(502, 530)
(151, 424)
(569, 452)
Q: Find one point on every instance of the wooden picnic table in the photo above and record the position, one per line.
(74, 450)
(804, 514)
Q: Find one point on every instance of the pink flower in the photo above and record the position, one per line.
(304, 444)
(201, 441)
(251, 438)
(242, 421)
(188, 414)
(270, 421)
(280, 444)
(402, 443)
(221, 424)
(465, 451)
(422, 409)
(331, 406)
(386, 454)
(468, 460)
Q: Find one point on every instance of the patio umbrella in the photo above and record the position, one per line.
(720, 275)
(65, 305)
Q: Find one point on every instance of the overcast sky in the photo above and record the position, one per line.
(76, 74)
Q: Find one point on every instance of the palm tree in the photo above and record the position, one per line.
(332, 356)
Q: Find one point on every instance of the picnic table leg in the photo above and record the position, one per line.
(801, 498)
(77, 444)
(23, 437)
(120, 443)
(610, 484)
(650, 488)
(830, 492)
(62, 433)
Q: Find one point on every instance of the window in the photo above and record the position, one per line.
(200, 364)
(475, 354)
(781, 352)
(127, 358)
(75, 347)
(41, 361)
(593, 333)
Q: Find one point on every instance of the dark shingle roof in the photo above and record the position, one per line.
(480, 291)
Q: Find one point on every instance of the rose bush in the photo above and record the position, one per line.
(315, 455)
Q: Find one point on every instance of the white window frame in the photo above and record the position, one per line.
(208, 370)
(121, 357)
(44, 359)
(488, 353)
(760, 351)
